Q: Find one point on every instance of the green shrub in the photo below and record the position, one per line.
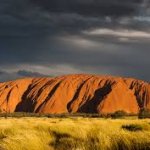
(144, 113)
(133, 127)
(119, 114)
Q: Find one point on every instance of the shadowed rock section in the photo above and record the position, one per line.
(74, 93)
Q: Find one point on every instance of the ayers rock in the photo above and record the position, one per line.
(75, 93)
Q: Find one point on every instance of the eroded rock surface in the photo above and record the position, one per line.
(75, 93)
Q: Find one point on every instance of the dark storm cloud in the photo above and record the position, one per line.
(4, 76)
(49, 17)
(60, 33)
(25, 73)
(91, 7)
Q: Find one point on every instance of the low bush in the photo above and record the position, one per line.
(144, 113)
(119, 114)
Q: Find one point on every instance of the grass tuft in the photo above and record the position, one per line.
(133, 127)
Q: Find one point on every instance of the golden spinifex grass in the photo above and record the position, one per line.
(74, 134)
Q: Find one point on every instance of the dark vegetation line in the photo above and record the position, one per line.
(116, 115)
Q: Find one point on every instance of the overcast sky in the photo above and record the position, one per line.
(55, 37)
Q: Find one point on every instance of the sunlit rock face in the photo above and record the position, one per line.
(74, 93)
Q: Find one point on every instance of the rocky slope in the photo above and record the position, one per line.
(74, 93)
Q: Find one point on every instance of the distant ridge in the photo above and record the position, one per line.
(75, 93)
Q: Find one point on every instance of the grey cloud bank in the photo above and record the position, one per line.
(82, 36)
